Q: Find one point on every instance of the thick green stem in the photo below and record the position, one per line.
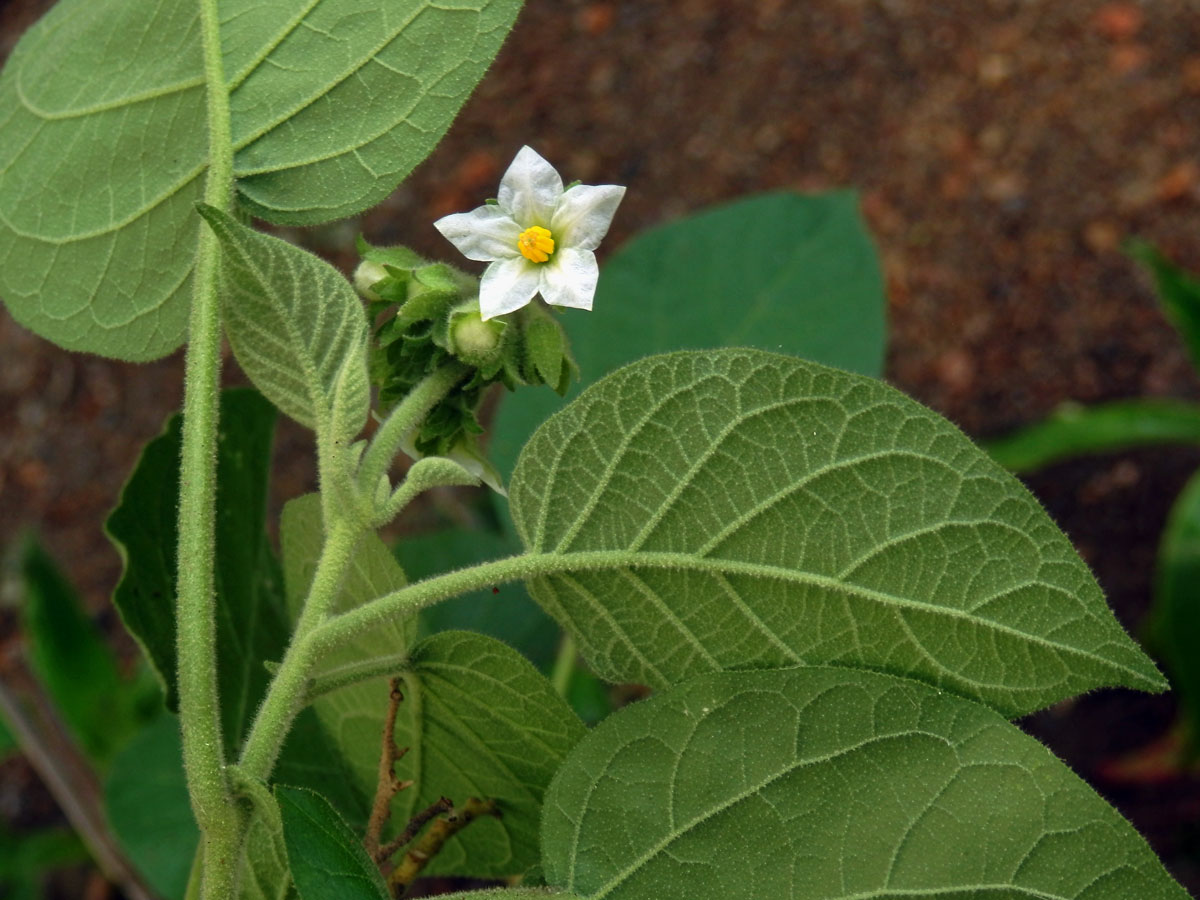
(407, 415)
(199, 706)
(289, 687)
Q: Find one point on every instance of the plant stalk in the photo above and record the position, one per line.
(407, 415)
(289, 687)
(199, 704)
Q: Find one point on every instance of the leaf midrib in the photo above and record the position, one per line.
(552, 564)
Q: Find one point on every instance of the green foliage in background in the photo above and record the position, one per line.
(1174, 631)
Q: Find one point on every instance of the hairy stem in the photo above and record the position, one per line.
(289, 687)
(199, 705)
(407, 415)
(352, 673)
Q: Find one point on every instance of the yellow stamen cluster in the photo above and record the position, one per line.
(536, 244)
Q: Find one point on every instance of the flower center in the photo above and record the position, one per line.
(536, 244)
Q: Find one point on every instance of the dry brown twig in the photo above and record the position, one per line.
(388, 785)
(444, 828)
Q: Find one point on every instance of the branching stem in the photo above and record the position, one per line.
(431, 843)
(289, 687)
(388, 785)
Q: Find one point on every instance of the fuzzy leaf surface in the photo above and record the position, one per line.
(487, 724)
(800, 276)
(831, 784)
(102, 104)
(740, 509)
(297, 327)
(326, 858)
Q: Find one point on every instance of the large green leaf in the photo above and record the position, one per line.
(482, 722)
(1178, 292)
(102, 104)
(251, 626)
(297, 327)
(326, 858)
(831, 784)
(146, 799)
(1075, 430)
(790, 272)
(735, 508)
(73, 661)
(1176, 613)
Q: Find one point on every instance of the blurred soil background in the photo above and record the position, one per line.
(1004, 149)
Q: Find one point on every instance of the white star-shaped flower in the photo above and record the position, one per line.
(538, 237)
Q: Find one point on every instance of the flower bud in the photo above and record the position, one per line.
(473, 340)
(366, 276)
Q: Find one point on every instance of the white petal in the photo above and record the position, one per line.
(570, 280)
(584, 214)
(530, 189)
(507, 285)
(482, 234)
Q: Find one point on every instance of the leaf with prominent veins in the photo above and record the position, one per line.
(297, 328)
(103, 107)
(830, 784)
(735, 508)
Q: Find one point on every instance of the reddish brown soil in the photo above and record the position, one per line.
(1004, 149)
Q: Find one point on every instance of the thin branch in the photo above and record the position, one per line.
(352, 673)
(388, 785)
(415, 824)
(62, 767)
(434, 839)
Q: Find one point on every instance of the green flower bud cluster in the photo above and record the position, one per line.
(427, 314)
